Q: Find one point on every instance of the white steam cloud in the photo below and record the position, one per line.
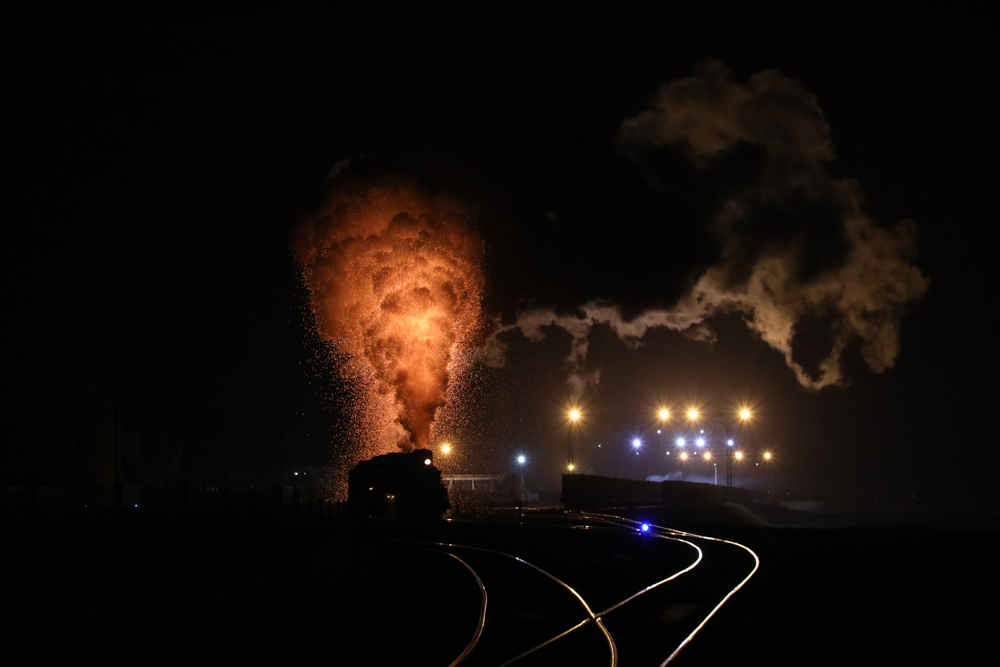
(795, 242)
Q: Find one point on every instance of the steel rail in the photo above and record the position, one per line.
(725, 599)
(482, 606)
(658, 583)
(549, 641)
(590, 612)
(597, 616)
(662, 581)
(607, 635)
(482, 613)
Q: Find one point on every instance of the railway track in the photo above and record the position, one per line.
(720, 590)
(601, 616)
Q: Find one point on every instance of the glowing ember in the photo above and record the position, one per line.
(394, 281)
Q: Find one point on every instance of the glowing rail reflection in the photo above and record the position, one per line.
(672, 531)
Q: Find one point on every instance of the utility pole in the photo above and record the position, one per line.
(569, 450)
(729, 455)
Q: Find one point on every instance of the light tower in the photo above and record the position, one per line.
(574, 416)
(742, 418)
(520, 489)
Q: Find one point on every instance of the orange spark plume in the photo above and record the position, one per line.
(394, 278)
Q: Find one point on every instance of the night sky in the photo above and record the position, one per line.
(161, 161)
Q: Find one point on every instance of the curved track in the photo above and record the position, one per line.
(482, 616)
(698, 588)
(487, 655)
(661, 531)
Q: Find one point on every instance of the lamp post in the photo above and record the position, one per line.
(445, 450)
(574, 415)
(768, 482)
(636, 444)
(729, 462)
(520, 487)
(744, 416)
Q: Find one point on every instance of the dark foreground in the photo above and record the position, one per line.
(210, 589)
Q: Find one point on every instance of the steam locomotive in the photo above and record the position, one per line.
(398, 487)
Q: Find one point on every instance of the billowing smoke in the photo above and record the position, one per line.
(394, 280)
(795, 243)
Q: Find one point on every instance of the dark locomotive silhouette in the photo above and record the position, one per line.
(398, 487)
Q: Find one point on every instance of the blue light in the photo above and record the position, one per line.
(680, 442)
(520, 459)
(700, 442)
(730, 442)
(636, 442)
(645, 527)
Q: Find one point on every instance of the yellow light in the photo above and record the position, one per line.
(684, 456)
(767, 455)
(693, 414)
(745, 414)
(708, 456)
(446, 448)
(571, 466)
(427, 462)
(574, 415)
(739, 455)
(664, 414)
